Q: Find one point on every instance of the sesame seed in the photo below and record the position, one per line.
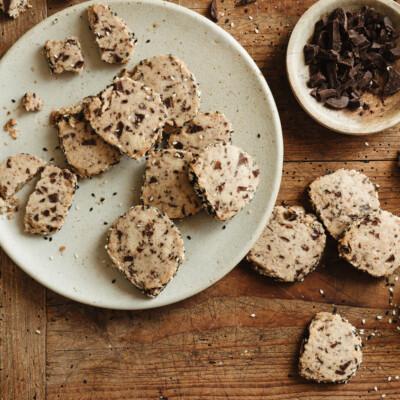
(363, 321)
(367, 144)
(250, 17)
(252, 315)
(37, 331)
(76, 255)
(246, 351)
(389, 378)
(321, 291)
(51, 258)
(379, 317)
(376, 389)
(256, 30)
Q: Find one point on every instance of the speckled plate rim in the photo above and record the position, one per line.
(313, 109)
(275, 129)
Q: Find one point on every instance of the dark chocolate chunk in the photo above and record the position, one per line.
(244, 2)
(326, 94)
(310, 52)
(338, 104)
(214, 10)
(393, 82)
(316, 80)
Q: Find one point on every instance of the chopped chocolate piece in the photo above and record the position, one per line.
(392, 54)
(326, 94)
(334, 35)
(393, 83)
(365, 80)
(244, 2)
(356, 103)
(316, 79)
(338, 104)
(357, 39)
(214, 10)
(331, 69)
(310, 52)
(377, 60)
(339, 15)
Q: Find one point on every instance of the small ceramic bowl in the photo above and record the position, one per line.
(343, 121)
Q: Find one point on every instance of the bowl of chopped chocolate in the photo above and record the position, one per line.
(343, 64)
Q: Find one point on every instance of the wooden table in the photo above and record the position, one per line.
(209, 346)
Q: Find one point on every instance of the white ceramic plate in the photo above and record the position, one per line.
(230, 82)
(345, 121)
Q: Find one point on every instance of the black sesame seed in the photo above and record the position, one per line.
(13, 100)
(91, 209)
(113, 281)
(224, 227)
(189, 238)
(115, 193)
(227, 20)
(258, 135)
(50, 239)
(93, 195)
(148, 41)
(105, 223)
(44, 149)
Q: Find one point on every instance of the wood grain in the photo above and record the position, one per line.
(209, 346)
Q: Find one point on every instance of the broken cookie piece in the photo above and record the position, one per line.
(167, 186)
(14, 7)
(86, 152)
(113, 37)
(50, 202)
(9, 205)
(32, 102)
(170, 77)
(16, 171)
(291, 245)
(331, 351)
(64, 55)
(225, 178)
(129, 116)
(146, 246)
(373, 243)
(203, 130)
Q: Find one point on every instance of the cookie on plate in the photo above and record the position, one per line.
(50, 202)
(14, 7)
(331, 351)
(167, 186)
(225, 178)
(372, 244)
(64, 55)
(32, 102)
(170, 77)
(146, 246)
(203, 130)
(128, 115)
(16, 171)
(291, 245)
(114, 38)
(86, 152)
(342, 197)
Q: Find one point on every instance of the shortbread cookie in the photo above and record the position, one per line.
(48, 205)
(372, 244)
(290, 246)
(203, 130)
(64, 55)
(86, 152)
(331, 352)
(14, 7)
(129, 116)
(342, 197)
(170, 77)
(166, 184)
(114, 38)
(225, 178)
(32, 102)
(146, 246)
(16, 171)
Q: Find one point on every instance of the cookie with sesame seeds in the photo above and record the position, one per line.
(50, 202)
(114, 38)
(64, 55)
(331, 351)
(16, 171)
(86, 152)
(170, 77)
(225, 178)
(203, 130)
(342, 197)
(291, 245)
(128, 115)
(372, 244)
(147, 247)
(167, 186)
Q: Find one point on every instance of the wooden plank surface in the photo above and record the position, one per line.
(209, 346)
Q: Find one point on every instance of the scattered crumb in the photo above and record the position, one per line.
(8, 128)
(10, 216)
(62, 248)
